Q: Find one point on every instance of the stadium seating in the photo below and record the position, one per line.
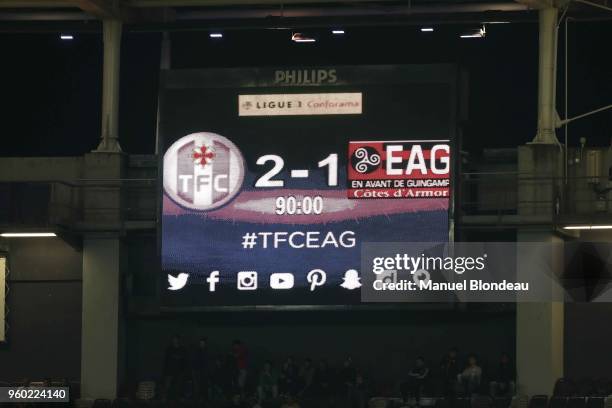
(102, 403)
(520, 401)
(577, 402)
(538, 401)
(558, 402)
(145, 390)
(564, 387)
(595, 402)
(502, 402)
(481, 402)
(568, 393)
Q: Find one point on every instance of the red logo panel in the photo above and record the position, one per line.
(398, 169)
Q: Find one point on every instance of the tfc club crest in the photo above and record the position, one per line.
(203, 171)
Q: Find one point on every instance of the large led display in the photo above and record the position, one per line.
(274, 178)
(2, 298)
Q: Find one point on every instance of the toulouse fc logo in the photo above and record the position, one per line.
(203, 171)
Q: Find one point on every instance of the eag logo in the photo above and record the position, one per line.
(401, 159)
(365, 160)
(203, 171)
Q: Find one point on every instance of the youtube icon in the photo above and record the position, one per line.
(281, 281)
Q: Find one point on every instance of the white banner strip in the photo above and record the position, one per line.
(300, 104)
(2, 297)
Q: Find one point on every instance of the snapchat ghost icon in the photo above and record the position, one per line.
(351, 280)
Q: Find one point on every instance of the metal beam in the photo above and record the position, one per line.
(354, 16)
(537, 4)
(100, 8)
(547, 76)
(48, 15)
(338, 11)
(35, 4)
(306, 15)
(593, 4)
(112, 30)
(35, 22)
(451, 7)
(584, 115)
(204, 3)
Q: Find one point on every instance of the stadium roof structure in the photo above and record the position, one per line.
(269, 13)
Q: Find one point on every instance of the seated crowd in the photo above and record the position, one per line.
(231, 381)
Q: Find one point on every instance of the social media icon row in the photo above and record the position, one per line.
(316, 278)
(248, 280)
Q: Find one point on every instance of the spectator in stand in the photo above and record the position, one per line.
(449, 368)
(236, 401)
(503, 384)
(268, 382)
(223, 380)
(347, 378)
(417, 380)
(306, 376)
(322, 382)
(358, 392)
(471, 376)
(230, 375)
(290, 402)
(217, 389)
(201, 370)
(288, 378)
(175, 364)
(241, 356)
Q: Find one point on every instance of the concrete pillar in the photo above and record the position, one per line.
(101, 342)
(539, 183)
(102, 339)
(539, 331)
(539, 346)
(539, 326)
(110, 87)
(102, 197)
(165, 62)
(547, 76)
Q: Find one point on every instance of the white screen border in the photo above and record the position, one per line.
(3, 273)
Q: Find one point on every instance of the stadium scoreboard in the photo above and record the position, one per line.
(274, 178)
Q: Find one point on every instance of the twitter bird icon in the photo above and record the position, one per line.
(177, 282)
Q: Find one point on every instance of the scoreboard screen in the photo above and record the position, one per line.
(274, 178)
(2, 298)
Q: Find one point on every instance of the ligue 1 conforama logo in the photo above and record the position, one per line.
(203, 171)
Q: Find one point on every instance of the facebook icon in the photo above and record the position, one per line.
(212, 280)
